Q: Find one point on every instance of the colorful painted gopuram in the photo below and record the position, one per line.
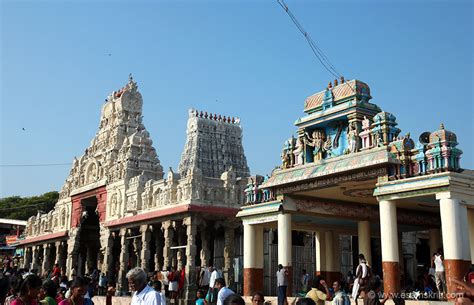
(117, 210)
(351, 183)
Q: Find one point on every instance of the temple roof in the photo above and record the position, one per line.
(342, 91)
(345, 163)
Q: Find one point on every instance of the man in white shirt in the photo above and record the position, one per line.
(440, 277)
(205, 279)
(224, 292)
(157, 287)
(142, 293)
(282, 283)
(212, 281)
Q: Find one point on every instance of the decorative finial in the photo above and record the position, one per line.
(130, 78)
(441, 126)
(335, 82)
(342, 80)
(329, 85)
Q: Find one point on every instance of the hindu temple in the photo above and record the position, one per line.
(351, 182)
(118, 210)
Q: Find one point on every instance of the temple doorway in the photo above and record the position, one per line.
(89, 237)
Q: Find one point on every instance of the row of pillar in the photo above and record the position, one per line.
(186, 257)
(40, 257)
(457, 234)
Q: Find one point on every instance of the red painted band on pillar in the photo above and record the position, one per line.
(455, 269)
(391, 277)
(253, 281)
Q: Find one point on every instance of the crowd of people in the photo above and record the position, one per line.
(25, 287)
(366, 286)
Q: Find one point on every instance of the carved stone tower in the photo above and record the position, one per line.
(213, 145)
(121, 149)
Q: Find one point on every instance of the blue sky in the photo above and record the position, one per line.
(238, 58)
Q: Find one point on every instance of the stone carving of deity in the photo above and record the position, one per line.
(178, 193)
(161, 198)
(132, 203)
(145, 197)
(284, 160)
(287, 154)
(365, 123)
(316, 140)
(299, 151)
(113, 205)
(327, 146)
(352, 138)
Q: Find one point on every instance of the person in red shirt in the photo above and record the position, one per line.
(181, 280)
(56, 271)
(29, 291)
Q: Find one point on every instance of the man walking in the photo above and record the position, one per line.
(282, 283)
(440, 278)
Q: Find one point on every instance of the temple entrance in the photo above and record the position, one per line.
(89, 237)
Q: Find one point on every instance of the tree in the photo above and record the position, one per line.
(16, 207)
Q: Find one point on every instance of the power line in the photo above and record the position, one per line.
(34, 165)
(323, 59)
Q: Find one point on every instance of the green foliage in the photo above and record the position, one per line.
(16, 207)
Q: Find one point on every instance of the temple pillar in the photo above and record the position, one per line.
(60, 255)
(191, 252)
(435, 240)
(470, 222)
(122, 284)
(320, 244)
(137, 246)
(46, 266)
(205, 254)
(72, 255)
(168, 234)
(333, 259)
(364, 240)
(35, 263)
(158, 249)
(28, 258)
(229, 246)
(108, 263)
(328, 261)
(253, 259)
(180, 257)
(454, 227)
(145, 251)
(285, 247)
(389, 240)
